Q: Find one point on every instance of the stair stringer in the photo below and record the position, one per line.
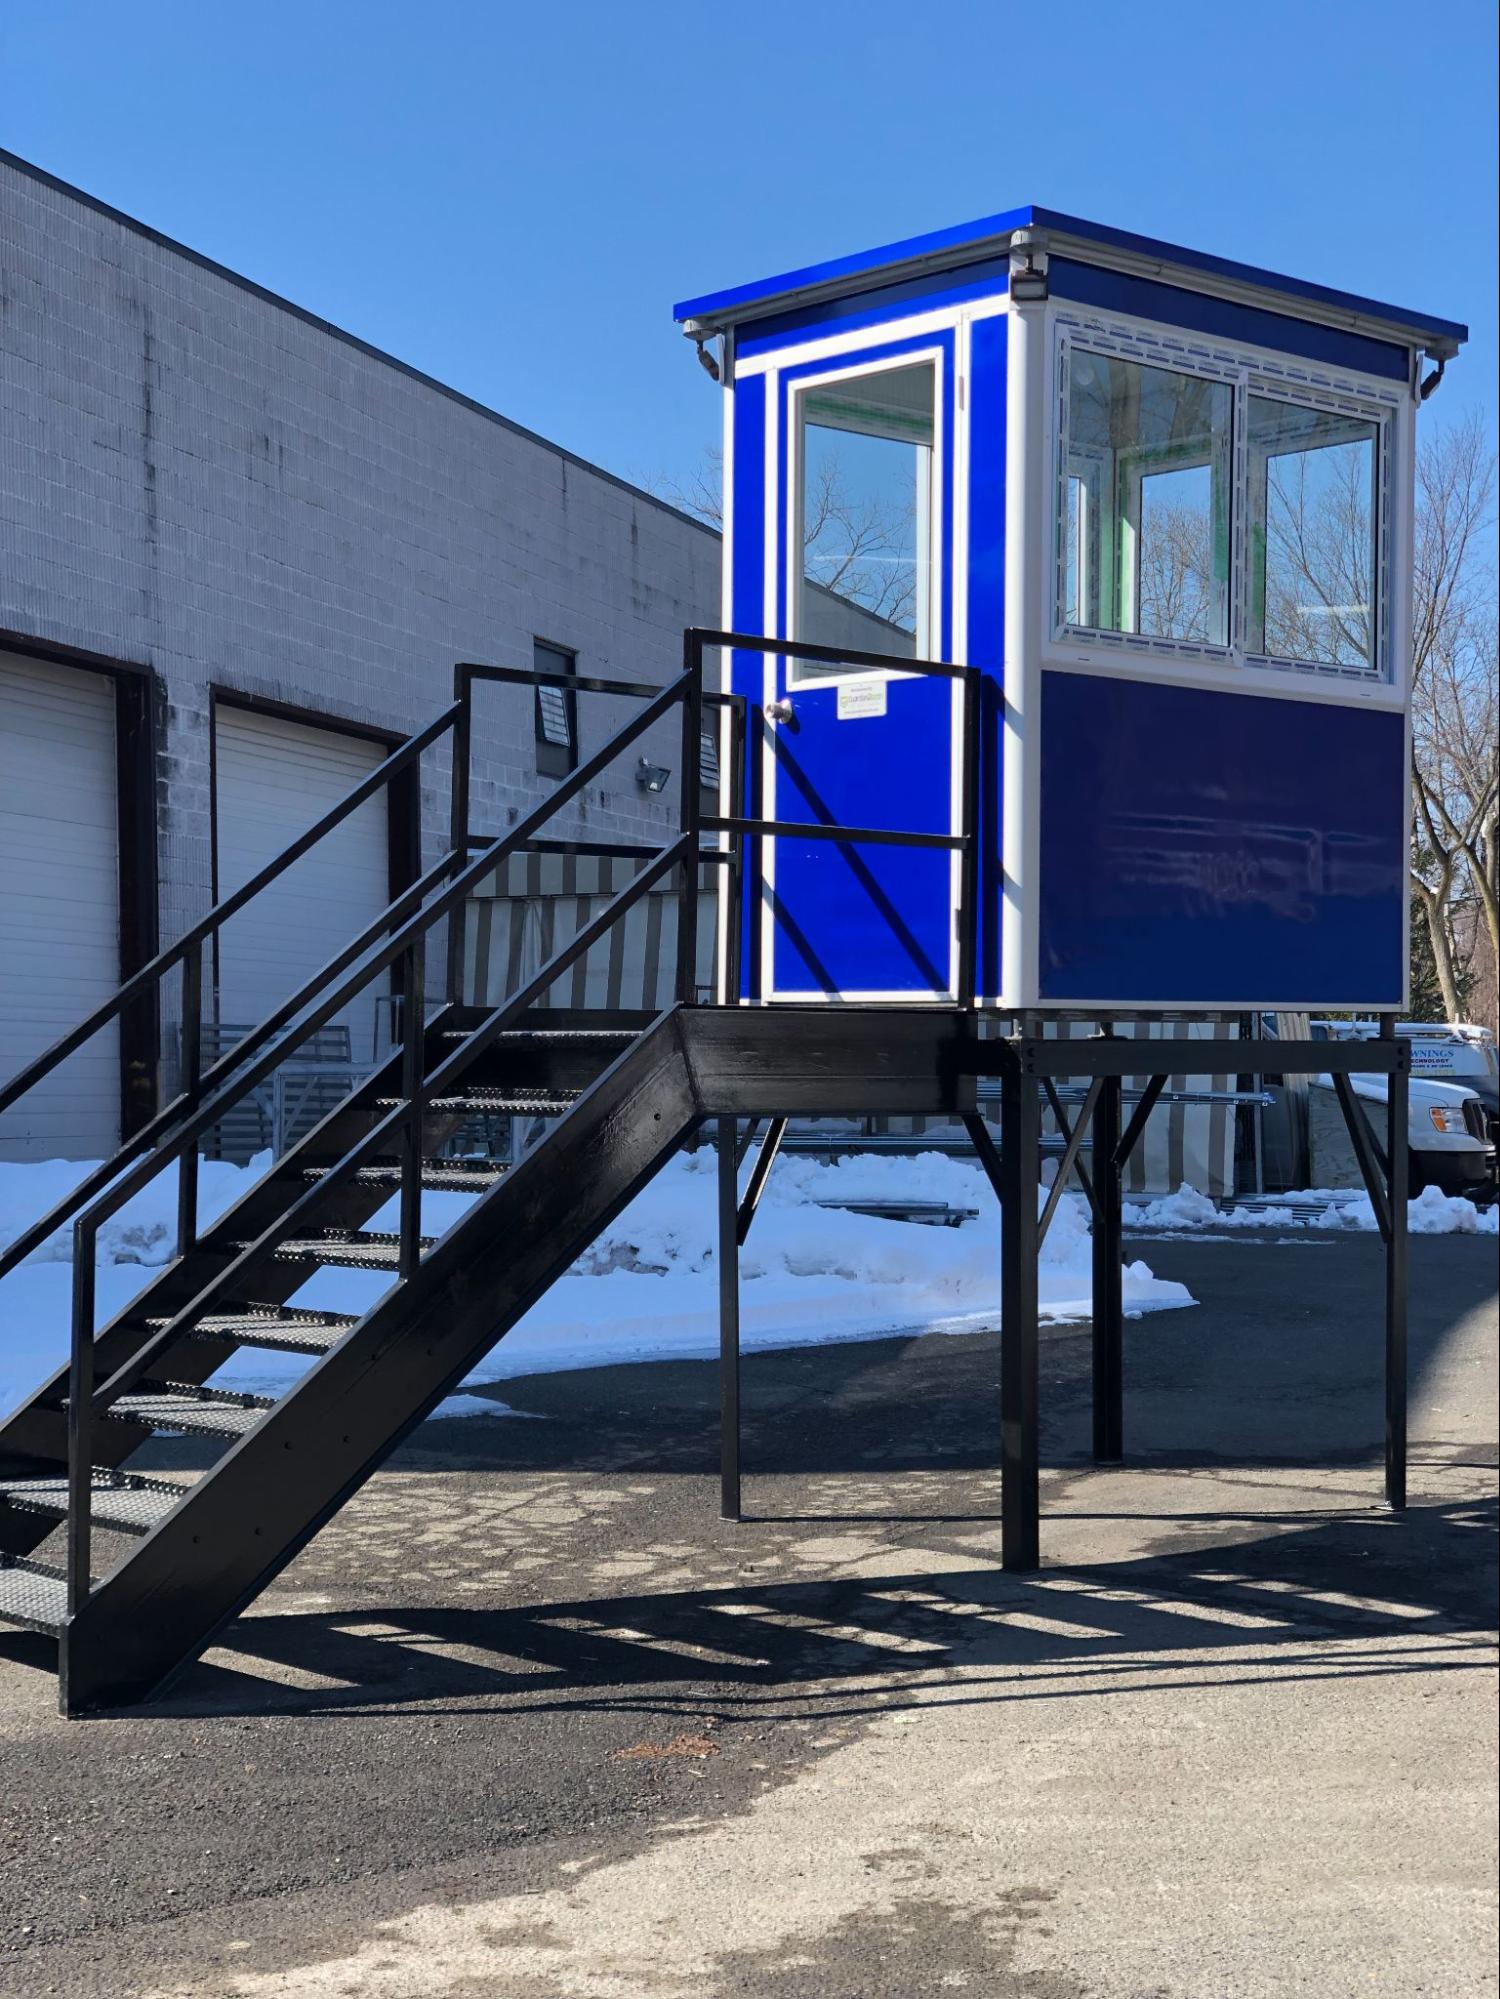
(266, 1498)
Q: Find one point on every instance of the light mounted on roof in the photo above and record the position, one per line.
(1028, 270)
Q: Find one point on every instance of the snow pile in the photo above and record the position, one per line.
(144, 1230)
(1429, 1213)
(645, 1290)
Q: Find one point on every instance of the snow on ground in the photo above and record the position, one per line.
(645, 1290)
(1430, 1213)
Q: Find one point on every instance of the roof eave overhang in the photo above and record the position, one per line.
(1440, 344)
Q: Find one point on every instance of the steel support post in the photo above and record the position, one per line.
(1396, 1142)
(692, 762)
(729, 1322)
(1109, 1289)
(458, 823)
(1020, 1168)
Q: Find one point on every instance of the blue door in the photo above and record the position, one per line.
(866, 500)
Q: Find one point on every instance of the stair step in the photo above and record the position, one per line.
(551, 1037)
(350, 1249)
(282, 1328)
(34, 1594)
(125, 1501)
(203, 1412)
(437, 1175)
(496, 1099)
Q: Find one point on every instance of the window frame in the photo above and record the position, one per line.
(1247, 373)
(926, 638)
(554, 759)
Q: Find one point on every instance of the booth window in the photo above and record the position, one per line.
(866, 514)
(1314, 522)
(1145, 513)
(556, 713)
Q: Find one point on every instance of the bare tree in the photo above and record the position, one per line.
(701, 493)
(859, 548)
(1178, 594)
(1319, 556)
(1319, 597)
(1455, 759)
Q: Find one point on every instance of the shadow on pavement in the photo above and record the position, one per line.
(1363, 1595)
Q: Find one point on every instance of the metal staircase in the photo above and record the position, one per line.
(133, 1569)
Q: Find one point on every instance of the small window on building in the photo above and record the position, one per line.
(1144, 518)
(866, 514)
(556, 713)
(1313, 528)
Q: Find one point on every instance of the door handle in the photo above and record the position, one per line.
(782, 713)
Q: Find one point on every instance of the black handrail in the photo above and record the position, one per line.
(405, 926)
(188, 949)
(400, 933)
(965, 843)
(151, 973)
(394, 1123)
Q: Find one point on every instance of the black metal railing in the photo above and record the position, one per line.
(187, 951)
(397, 942)
(396, 939)
(965, 842)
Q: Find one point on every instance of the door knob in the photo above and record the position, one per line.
(782, 712)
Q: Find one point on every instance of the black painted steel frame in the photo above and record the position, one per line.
(396, 941)
(1023, 1061)
(714, 1065)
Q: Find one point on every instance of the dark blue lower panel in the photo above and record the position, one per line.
(1207, 848)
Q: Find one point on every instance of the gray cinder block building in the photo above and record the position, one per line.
(240, 552)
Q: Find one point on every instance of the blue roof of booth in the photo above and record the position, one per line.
(947, 245)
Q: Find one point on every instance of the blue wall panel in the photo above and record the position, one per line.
(1199, 847)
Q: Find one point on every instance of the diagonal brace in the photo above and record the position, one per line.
(1059, 1111)
(760, 1173)
(1131, 1136)
(1371, 1166)
(1075, 1139)
(987, 1151)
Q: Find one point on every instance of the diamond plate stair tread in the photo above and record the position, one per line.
(352, 1252)
(179, 1409)
(282, 1331)
(487, 1097)
(437, 1177)
(131, 1509)
(549, 1035)
(34, 1595)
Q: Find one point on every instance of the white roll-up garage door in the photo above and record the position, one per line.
(272, 779)
(59, 904)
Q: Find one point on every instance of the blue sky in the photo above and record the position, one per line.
(511, 197)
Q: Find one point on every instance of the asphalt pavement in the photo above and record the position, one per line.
(529, 1720)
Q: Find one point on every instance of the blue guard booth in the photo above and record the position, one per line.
(1162, 504)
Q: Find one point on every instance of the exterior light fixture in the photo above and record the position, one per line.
(651, 777)
(1028, 270)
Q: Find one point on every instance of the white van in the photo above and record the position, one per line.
(1449, 1125)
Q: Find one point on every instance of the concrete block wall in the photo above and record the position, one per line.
(198, 477)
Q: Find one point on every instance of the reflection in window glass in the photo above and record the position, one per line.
(867, 458)
(1145, 514)
(1312, 534)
